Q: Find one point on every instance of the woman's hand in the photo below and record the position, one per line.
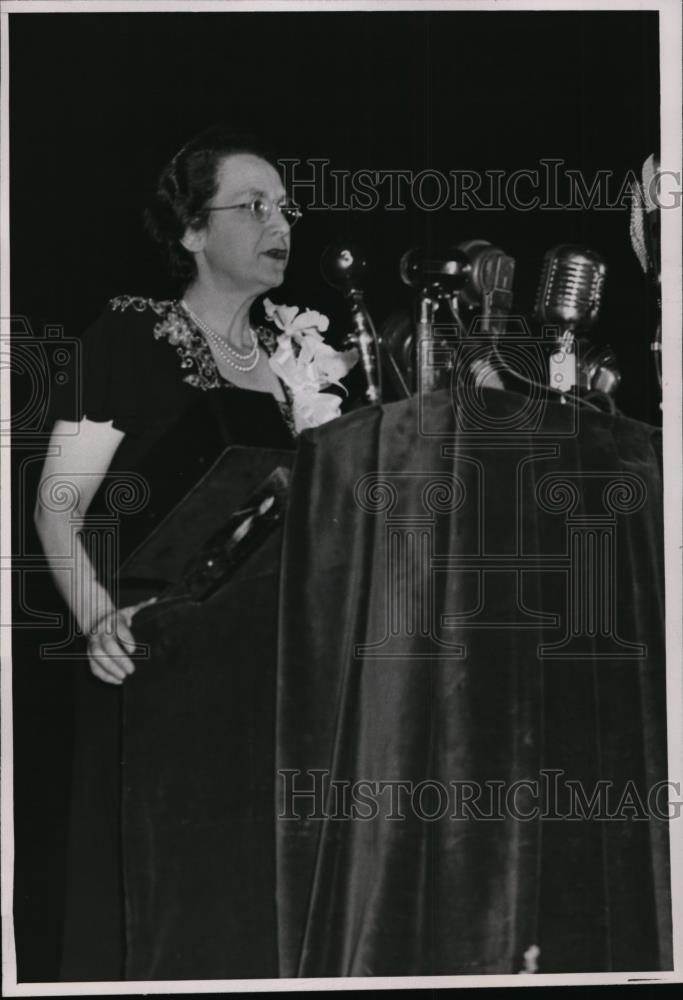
(111, 643)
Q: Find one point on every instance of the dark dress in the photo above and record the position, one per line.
(149, 370)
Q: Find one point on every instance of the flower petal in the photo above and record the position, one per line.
(310, 320)
(281, 315)
(310, 409)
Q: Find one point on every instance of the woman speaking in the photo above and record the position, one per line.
(166, 387)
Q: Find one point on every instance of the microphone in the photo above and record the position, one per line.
(598, 372)
(570, 290)
(490, 276)
(343, 266)
(436, 274)
(644, 222)
(569, 297)
(488, 291)
(435, 278)
(644, 229)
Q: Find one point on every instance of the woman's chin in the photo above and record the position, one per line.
(274, 267)
(275, 279)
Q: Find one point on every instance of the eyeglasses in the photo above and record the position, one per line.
(261, 209)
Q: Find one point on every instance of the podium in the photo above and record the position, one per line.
(472, 649)
(414, 740)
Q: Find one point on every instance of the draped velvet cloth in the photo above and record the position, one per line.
(198, 751)
(472, 601)
(199, 837)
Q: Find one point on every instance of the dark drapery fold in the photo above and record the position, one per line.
(198, 744)
(472, 600)
(199, 846)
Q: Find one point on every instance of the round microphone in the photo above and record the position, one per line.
(571, 287)
(344, 265)
(447, 274)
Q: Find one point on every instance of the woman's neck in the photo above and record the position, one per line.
(226, 313)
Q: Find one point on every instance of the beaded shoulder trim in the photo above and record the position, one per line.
(139, 304)
(191, 347)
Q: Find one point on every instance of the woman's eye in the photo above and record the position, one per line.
(259, 207)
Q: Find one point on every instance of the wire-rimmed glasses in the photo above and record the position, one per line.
(261, 209)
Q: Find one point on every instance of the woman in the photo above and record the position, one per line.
(166, 387)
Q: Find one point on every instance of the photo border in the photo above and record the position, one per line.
(670, 76)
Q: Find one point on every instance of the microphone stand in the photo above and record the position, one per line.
(365, 339)
(342, 266)
(426, 376)
(436, 279)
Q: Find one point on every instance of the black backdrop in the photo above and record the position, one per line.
(99, 101)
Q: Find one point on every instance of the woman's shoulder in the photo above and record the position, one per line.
(124, 371)
(131, 323)
(131, 334)
(141, 304)
(135, 312)
(130, 312)
(153, 336)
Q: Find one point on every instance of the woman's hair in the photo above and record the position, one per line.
(185, 187)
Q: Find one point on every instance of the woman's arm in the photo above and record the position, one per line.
(79, 456)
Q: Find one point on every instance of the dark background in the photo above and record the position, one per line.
(98, 102)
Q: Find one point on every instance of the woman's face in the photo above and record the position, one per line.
(239, 251)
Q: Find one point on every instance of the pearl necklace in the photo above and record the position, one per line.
(245, 362)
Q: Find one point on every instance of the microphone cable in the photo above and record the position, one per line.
(568, 395)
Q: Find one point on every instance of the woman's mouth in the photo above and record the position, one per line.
(276, 253)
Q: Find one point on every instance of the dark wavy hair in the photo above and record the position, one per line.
(185, 187)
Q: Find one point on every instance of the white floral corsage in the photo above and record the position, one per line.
(307, 364)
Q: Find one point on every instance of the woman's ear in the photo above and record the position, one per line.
(193, 239)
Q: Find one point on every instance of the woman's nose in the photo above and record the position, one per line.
(279, 221)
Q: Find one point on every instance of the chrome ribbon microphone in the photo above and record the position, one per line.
(344, 266)
(489, 284)
(490, 277)
(568, 298)
(488, 291)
